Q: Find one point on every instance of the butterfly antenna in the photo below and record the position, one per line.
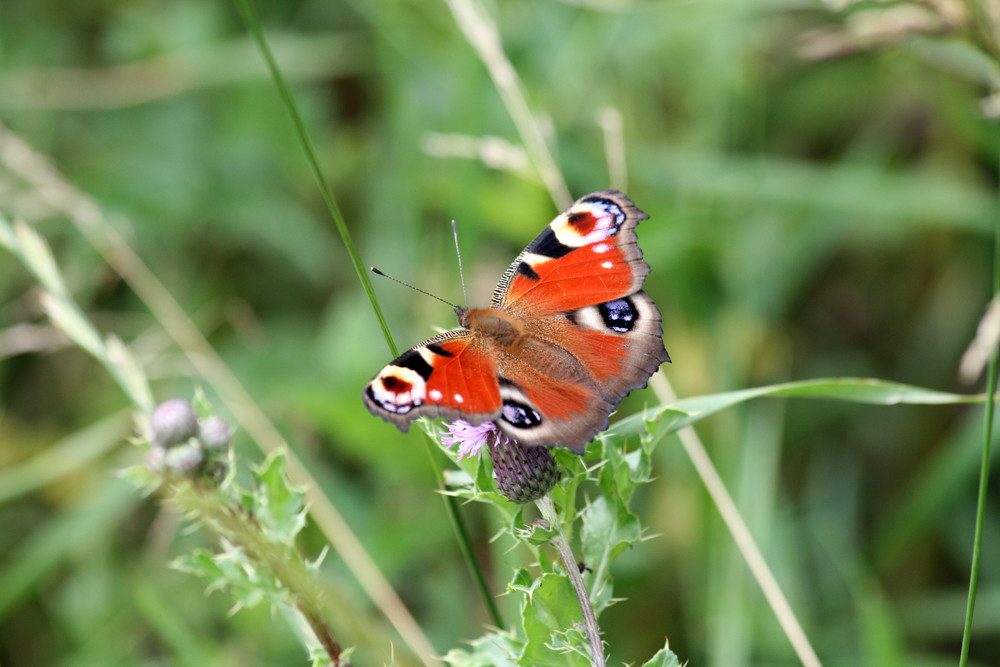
(461, 276)
(416, 289)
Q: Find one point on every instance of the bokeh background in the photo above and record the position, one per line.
(821, 182)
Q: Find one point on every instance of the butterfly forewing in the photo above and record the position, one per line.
(586, 256)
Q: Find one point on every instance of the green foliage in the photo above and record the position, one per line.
(276, 504)
(815, 213)
(233, 572)
(550, 615)
(663, 658)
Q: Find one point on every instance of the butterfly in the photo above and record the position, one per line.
(569, 332)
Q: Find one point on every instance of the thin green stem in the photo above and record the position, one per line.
(464, 543)
(451, 505)
(548, 509)
(984, 470)
(253, 25)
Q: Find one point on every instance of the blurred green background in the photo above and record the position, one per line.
(813, 213)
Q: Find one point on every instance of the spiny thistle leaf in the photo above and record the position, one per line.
(232, 571)
(549, 613)
(494, 649)
(663, 658)
(608, 529)
(279, 505)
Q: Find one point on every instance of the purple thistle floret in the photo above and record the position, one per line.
(470, 439)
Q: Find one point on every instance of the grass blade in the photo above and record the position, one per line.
(984, 471)
(451, 505)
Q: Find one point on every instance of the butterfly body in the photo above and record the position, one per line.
(567, 335)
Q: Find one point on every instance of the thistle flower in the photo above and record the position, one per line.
(470, 439)
(522, 473)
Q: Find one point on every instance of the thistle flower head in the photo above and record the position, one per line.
(470, 439)
(522, 473)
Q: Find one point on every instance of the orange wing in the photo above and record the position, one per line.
(588, 255)
(446, 376)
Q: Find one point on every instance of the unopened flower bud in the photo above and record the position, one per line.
(184, 458)
(214, 433)
(156, 459)
(173, 422)
(522, 473)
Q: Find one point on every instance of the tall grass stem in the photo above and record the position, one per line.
(60, 196)
(984, 470)
(451, 505)
(713, 483)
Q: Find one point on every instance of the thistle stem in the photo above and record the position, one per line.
(236, 525)
(548, 510)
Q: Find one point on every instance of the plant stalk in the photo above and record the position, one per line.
(984, 469)
(548, 510)
(253, 25)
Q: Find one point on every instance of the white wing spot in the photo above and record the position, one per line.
(459, 398)
(600, 247)
(607, 265)
(435, 395)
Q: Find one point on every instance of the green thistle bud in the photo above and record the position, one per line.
(185, 458)
(523, 473)
(214, 433)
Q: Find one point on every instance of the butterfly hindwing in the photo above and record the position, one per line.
(575, 368)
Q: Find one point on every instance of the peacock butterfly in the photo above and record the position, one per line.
(569, 332)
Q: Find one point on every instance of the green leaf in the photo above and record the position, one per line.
(549, 613)
(521, 581)
(609, 528)
(279, 505)
(537, 532)
(494, 649)
(232, 571)
(673, 417)
(663, 658)
(621, 474)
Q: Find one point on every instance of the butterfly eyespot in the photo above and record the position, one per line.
(435, 395)
(607, 265)
(599, 248)
(619, 315)
(520, 415)
(459, 398)
(398, 389)
(591, 221)
(608, 207)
